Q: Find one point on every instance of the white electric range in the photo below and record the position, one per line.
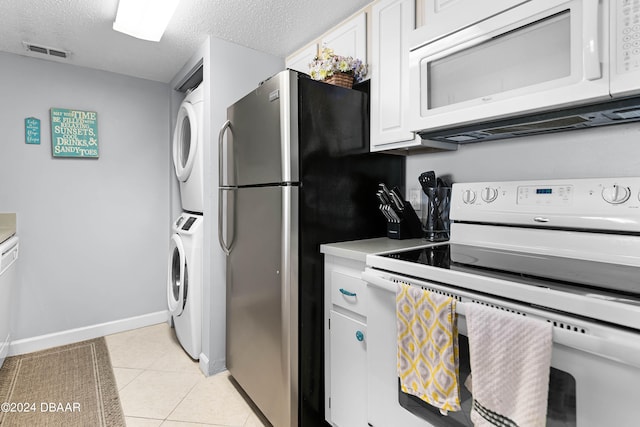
(563, 251)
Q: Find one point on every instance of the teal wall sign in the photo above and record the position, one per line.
(32, 130)
(74, 133)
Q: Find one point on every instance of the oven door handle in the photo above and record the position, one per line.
(626, 352)
(378, 281)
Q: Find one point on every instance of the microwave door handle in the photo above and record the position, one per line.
(455, 43)
(591, 47)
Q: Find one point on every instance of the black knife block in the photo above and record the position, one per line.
(409, 226)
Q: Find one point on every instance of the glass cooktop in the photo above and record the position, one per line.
(533, 269)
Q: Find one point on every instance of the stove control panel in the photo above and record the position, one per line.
(545, 195)
(468, 196)
(591, 203)
(489, 194)
(616, 194)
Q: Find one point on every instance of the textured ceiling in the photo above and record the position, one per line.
(84, 28)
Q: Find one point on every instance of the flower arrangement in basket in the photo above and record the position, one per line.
(336, 69)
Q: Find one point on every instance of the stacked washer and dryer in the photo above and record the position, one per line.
(184, 290)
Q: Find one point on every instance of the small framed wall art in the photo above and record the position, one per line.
(31, 130)
(74, 133)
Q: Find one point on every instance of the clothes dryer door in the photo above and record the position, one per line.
(185, 141)
(177, 281)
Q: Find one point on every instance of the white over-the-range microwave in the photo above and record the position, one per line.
(512, 67)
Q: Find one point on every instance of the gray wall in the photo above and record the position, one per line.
(589, 153)
(94, 233)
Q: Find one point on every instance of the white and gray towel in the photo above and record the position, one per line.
(510, 364)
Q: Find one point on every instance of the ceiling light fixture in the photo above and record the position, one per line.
(144, 19)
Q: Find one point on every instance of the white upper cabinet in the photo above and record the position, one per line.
(349, 38)
(392, 22)
(441, 17)
(300, 60)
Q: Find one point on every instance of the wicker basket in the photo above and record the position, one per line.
(340, 79)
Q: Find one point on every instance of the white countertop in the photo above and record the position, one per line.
(359, 249)
(7, 226)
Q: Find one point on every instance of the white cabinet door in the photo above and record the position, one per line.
(349, 39)
(392, 22)
(301, 59)
(348, 371)
(345, 356)
(441, 17)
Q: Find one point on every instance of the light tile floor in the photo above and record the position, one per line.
(160, 385)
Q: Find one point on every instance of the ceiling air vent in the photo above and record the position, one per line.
(38, 49)
(58, 53)
(46, 50)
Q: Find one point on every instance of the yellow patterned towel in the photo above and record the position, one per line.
(428, 347)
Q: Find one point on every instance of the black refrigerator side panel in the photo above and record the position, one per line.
(339, 179)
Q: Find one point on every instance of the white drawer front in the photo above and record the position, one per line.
(349, 292)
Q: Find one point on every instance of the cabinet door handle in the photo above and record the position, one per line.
(359, 336)
(347, 293)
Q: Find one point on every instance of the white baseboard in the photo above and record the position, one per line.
(4, 348)
(211, 368)
(203, 363)
(71, 336)
(217, 366)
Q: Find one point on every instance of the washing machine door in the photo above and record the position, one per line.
(185, 141)
(178, 277)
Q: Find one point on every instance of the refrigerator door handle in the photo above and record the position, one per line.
(226, 247)
(223, 130)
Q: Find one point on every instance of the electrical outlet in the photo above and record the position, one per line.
(414, 199)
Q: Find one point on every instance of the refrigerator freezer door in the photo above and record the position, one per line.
(262, 140)
(262, 300)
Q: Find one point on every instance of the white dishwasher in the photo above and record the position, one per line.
(8, 277)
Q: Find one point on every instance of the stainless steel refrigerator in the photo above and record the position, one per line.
(295, 172)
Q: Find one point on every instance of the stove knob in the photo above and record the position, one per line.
(616, 194)
(468, 196)
(489, 194)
